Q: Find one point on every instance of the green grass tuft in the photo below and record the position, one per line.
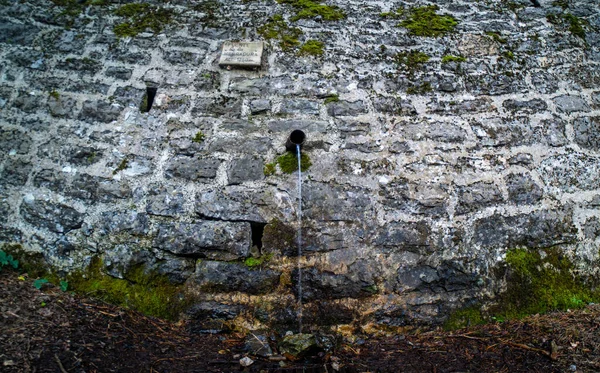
(199, 137)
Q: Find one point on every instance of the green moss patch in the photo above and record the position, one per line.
(312, 48)
(277, 29)
(257, 262)
(450, 58)
(331, 98)
(288, 163)
(309, 9)
(574, 24)
(411, 61)
(464, 317)
(424, 21)
(141, 17)
(199, 137)
(142, 290)
(540, 281)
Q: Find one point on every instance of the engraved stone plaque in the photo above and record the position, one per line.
(245, 54)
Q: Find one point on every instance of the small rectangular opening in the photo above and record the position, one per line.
(148, 99)
(258, 230)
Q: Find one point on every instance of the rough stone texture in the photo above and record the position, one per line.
(413, 196)
(208, 239)
(228, 277)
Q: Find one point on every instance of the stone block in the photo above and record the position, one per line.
(294, 106)
(477, 196)
(587, 132)
(571, 172)
(543, 228)
(221, 277)
(100, 111)
(570, 104)
(164, 201)
(215, 240)
(15, 171)
(55, 217)
(405, 236)
(346, 108)
(522, 189)
(245, 169)
(528, 107)
(192, 168)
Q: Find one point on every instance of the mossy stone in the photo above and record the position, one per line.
(424, 21)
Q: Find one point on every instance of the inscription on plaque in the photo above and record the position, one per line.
(247, 54)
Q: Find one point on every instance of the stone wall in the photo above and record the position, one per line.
(425, 171)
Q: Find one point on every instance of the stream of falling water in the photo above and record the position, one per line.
(299, 238)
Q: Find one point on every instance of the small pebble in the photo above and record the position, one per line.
(246, 361)
(573, 368)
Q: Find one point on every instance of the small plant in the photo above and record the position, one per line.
(289, 162)
(278, 29)
(269, 169)
(140, 17)
(39, 283)
(257, 262)
(411, 61)
(496, 36)
(64, 285)
(450, 58)
(419, 89)
(312, 48)
(199, 137)
(396, 14)
(307, 9)
(7, 260)
(123, 165)
(331, 98)
(575, 25)
(509, 55)
(424, 21)
(54, 94)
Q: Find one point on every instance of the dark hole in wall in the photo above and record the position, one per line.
(257, 233)
(148, 99)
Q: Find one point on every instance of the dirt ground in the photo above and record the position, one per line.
(51, 331)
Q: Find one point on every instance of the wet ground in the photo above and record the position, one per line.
(51, 331)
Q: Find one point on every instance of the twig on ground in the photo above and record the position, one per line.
(62, 369)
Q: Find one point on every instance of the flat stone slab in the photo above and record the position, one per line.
(244, 54)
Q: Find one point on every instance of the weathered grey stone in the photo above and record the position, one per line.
(192, 168)
(257, 344)
(522, 189)
(10, 235)
(478, 105)
(262, 86)
(177, 270)
(570, 104)
(350, 128)
(587, 132)
(208, 80)
(183, 57)
(119, 72)
(405, 236)
(217, 240)
(29, 102)
(329, 202)
(413, 278)
(542, 228)
(16, 33)
(219, 106)
(129, 96)
(132, 222)
(293, 106)
(308, 126)
(447, 277)
(494, 84)
(571, 172)
(82, 65)
(120, 259)
(55, 217)
(260, 106)
(394, 106)
(61, 107)
(477, 196)
(438, 131)
(100, 111)
(235, 204)
(522, 159)
(82, 155)
(591, 228)
(415, 198)
(250, 145)
(164, 201)
(318, 285)
(217, 277)
(245, 169)
(15, 171)
(298, 345)
(346, 108)
(529, 107)
(32, 59)
(503, 132)
(551, 132)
